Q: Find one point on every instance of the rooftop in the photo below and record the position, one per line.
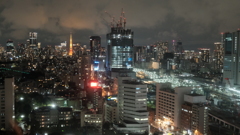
(137, 82)
(194, 94)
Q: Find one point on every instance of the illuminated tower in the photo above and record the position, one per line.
(70, 45)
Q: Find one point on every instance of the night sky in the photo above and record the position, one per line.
(197, 23)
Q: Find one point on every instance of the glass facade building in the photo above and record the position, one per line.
(231, 63)
(120, 49)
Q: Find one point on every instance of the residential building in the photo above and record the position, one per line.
(110, 110)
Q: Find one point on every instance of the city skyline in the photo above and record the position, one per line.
(198, 25)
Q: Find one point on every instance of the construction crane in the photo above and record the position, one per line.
(112, 17)
(121, 22)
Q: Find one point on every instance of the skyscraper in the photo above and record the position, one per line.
(33, 40)
(95, 47)
(120, 49)
(7, 102)
(231, 65)
(9, 46)
(218, 56)
(204, 55)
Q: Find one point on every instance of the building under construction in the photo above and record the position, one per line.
(120, 47)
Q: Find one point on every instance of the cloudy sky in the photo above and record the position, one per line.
(197, 23)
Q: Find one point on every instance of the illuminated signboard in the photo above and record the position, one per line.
(94, 84)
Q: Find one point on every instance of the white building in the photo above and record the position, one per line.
(92, 118)
(169, 102)
(132, 106)
(7, 102)
(110, 110)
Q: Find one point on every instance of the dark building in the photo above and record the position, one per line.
(95, 47)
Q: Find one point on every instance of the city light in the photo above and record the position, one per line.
(53, 105)
(93, 84)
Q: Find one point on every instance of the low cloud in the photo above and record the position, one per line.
(60, 16)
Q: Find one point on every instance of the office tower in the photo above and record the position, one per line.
(51, 116)
(94, 94)
(188, 54)
(33, 40)
(161, 49)
(110, 109)
(204, 54)
(70, 46)
(132, 106)
(231, 65)
(178, 49)
(102, 59)
(84, 70)
(95, 47)
(62, 48)
(194, 114)
(218, 56)
(120, 49)
(10, 46)
(169, 102)
(7, 102)
(138, 54)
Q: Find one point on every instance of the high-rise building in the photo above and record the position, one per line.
(169, 102)
(178, 49)
(132, 106)
(84, 71)
(231, 65)
(33, 40)
(204, 55)
(10, 46)
(194, 114)
(110, 109)
(218, 56)
(120, 49)
(95, 47)
(7, 102)
(188, 54)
